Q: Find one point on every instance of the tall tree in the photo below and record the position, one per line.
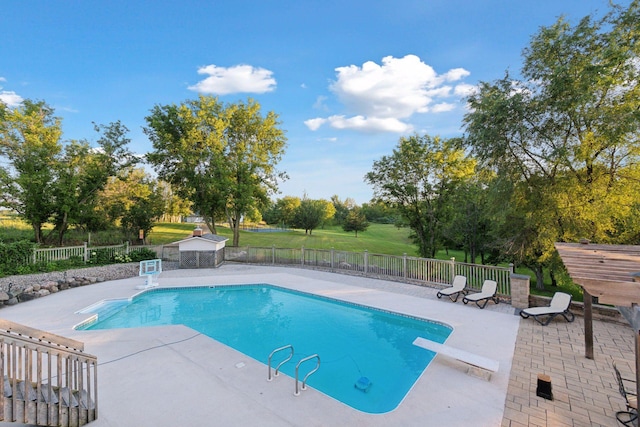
(329, 211)
(470, 224)
(355, 221)
(30, 143)
(175, 207)
(221, 157)
(310, 214)
(567, 136)
(83, 172)
(418, 180)
(379, 212)
(342, 208)
(132, 199)
(285, 209)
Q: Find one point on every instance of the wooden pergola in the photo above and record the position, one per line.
(608, 272)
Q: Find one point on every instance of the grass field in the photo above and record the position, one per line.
(378, 239)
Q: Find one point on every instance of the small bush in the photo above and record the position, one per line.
(121, 258)
(142, 254)
(100, 257)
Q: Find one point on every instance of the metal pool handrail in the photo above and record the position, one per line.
(304, 381)
(281, 363)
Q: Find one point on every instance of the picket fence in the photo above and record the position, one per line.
(84, 252)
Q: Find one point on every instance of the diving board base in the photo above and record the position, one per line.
(479, 366)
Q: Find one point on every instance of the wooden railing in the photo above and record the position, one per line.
(404, 268)
(48, 379)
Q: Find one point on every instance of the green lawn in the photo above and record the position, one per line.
(378, 239)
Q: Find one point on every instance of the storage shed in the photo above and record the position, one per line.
(201, 250)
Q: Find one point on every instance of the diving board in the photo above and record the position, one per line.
(463, 356)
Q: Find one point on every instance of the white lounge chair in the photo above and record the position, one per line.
(560, 304)
(457, 288)
(488, 292)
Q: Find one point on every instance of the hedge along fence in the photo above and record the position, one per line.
(403, 267)
(15, 254)
(85, 253)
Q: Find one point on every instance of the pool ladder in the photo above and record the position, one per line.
(305, 359)
(290, 347)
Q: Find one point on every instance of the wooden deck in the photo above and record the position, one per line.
(48, 379)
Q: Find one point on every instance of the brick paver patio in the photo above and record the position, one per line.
(585, 391)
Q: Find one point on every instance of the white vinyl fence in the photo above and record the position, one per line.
(405, 268)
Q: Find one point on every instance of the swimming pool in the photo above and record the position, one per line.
(367, 357)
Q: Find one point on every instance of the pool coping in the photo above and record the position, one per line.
(170, 368)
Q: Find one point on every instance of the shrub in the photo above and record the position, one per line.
(121, 258)
(142, 254)
(100, 257)
(14, 257)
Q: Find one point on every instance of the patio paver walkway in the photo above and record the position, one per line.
(585, 391)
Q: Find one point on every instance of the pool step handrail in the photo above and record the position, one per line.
(304, 381)
(288, 346)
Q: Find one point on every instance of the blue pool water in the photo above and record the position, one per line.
(367, 357)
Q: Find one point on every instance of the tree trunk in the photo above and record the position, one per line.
(37, 232)
(539, 277)
(211, 224)
(234, 223)
(236, 234)
(63, 228)
(554, 281)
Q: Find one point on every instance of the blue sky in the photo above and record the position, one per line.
(347, 78)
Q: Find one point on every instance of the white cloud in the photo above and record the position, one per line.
(236, 79)
(383, 97)
(2, 79)
(370, 124)
(10, 98)
(456, 74)
(443, 107)
(464, 90)
(314, 124)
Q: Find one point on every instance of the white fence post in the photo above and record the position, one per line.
(404, 265)
(453, 269)
(366, 261)
(86, 252)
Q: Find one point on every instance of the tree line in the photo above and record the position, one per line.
(551, 156)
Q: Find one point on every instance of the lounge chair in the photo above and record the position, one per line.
(488, 292)
(457, 288)
(560, 304)
(629, 416)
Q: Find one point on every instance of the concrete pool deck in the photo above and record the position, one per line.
(169, 376)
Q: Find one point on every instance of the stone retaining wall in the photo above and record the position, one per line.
(16, 289)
